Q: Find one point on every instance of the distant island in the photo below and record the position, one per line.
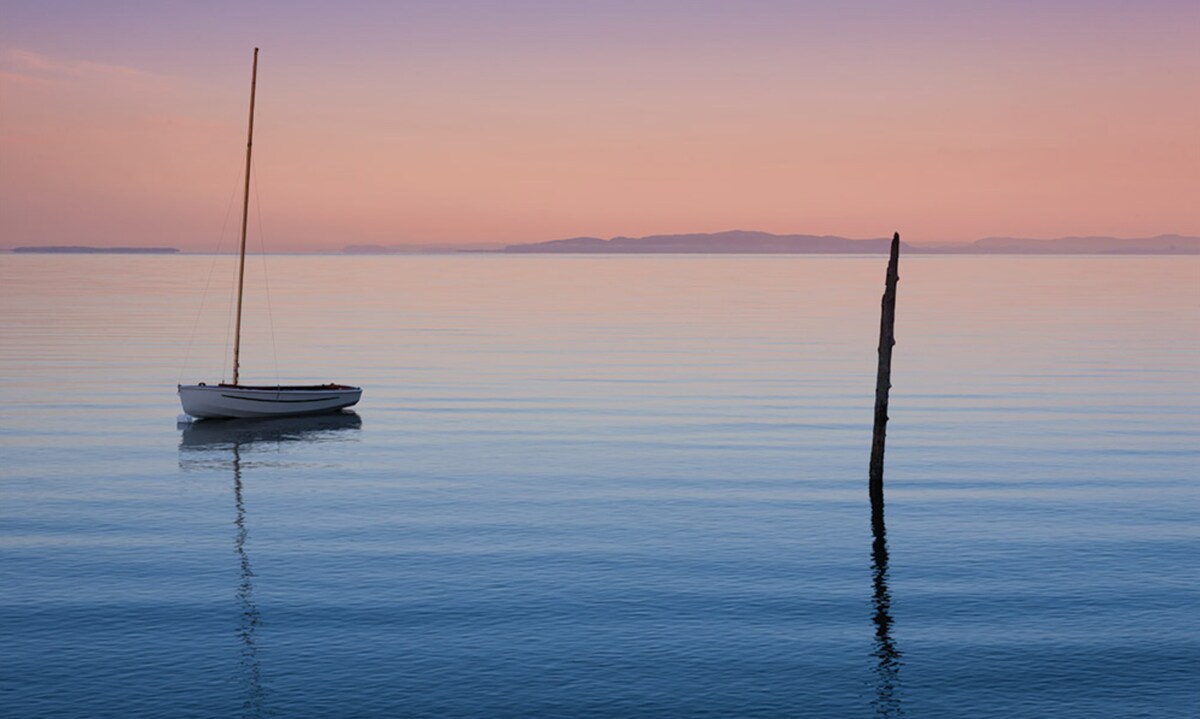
(80, 249)
(743, 242)
(733, 241)
(747, 242)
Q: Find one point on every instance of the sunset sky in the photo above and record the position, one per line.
(475, 122)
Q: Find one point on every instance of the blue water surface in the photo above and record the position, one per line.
(603, 487)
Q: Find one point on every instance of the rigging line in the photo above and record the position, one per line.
(187, 354)
(262, 244)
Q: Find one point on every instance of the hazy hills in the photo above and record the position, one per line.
(734, 241)
(748, 242)
(740, 241)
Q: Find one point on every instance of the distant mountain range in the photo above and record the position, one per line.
(740, 241)
(748, 242)
(82, 249)
(734, 241)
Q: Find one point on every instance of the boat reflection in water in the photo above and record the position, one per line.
(229, 433)
(219, 443)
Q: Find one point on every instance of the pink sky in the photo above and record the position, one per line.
(505, 122)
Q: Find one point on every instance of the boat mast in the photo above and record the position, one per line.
(237, 335)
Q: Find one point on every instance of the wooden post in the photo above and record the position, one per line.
(883, 380)
(887, 701)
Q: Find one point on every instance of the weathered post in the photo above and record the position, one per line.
(883, 380)
(887, 699)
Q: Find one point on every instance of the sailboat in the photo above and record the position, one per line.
(234, 400)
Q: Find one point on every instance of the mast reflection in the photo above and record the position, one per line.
(887, 655)
(248, 619)
(210, 444)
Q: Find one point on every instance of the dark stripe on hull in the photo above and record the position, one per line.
(279, 401)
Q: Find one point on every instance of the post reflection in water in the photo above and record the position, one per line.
(888, 657)
(203, 445)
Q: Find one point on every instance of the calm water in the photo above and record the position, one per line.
(603, 487)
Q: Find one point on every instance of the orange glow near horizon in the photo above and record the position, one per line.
(529, 122)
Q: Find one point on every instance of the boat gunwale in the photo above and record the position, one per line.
(274, 388)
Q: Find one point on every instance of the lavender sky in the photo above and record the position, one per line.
(123, 123)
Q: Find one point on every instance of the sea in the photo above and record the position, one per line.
(602, 486)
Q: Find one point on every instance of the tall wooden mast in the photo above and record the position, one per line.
(237, 335)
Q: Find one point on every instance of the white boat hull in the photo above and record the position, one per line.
(224, 401)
